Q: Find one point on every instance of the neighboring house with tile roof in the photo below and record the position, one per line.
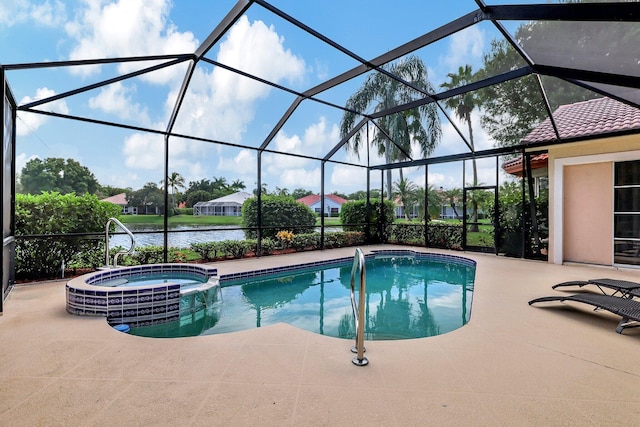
(121, 200)
(594, 181)
(230, 205)
(332, 203)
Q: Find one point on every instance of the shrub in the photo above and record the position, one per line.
(237, 248)
(445, 236)
(278, 213)
(510, 220)
(55, 214)
(354, 217)
(208, 251)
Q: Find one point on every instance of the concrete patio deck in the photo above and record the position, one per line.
(512, 364)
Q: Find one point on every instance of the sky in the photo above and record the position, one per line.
(221, 105)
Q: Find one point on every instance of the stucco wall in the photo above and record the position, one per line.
(561, 158)
(587, 225)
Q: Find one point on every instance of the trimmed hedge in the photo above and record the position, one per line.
(354, 217)
(54, 214)
(279, 213)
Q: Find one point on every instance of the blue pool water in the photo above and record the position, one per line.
(407, 297)
(184, 279)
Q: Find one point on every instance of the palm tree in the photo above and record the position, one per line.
(405, 190)
(380, 92)
(452, 197)
(174, 181)
(431, 198)
(463, 105)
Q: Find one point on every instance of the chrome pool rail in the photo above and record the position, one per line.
(106, 242)
(359, 310)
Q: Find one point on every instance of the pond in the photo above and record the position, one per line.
(180, 236)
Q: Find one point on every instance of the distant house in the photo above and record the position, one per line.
(230, 205)
(399, 210)
(121, 200)
(332, 203)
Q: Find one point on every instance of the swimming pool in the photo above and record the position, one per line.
(409, 295)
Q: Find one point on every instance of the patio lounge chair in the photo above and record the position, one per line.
(625, 288)
(627, 308)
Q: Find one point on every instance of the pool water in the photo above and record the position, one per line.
(406, 297)
(155, 279)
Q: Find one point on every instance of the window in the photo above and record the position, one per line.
(626, 213)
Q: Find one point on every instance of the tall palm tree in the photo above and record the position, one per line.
(405, 190)
(430, 198)
(463, 105)
(380, 92)
(174, 181)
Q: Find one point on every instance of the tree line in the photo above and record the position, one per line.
(67, 176)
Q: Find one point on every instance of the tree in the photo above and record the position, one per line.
(419, 125)
(174, 181)
(362, 195)
(196, 196)
(57, 175)
(452, 197)
(148, 198)
(463, 105)
(299, 193)
(512, 109)
(405, 190)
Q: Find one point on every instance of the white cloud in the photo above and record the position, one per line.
(29, 122)
(116, 99)
(144, 151)
(220, 104)
(46, 13)
(465, 47)
(22, 159)
(128, 28)
(243, 163)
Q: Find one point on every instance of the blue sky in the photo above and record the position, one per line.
(220, 105)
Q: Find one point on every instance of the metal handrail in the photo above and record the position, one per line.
(358, 311)
(106, 235)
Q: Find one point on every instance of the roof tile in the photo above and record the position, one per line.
(587, 118)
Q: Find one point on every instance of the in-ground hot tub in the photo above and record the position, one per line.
(142, 295)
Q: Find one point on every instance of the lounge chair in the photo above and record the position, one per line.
(625, 288)
(627, 308)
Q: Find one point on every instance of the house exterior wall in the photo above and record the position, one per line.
(328, 206)
(588, 220)
(562, 158)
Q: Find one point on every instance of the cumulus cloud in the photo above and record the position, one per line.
(315, 141)
(117, 99)
(128, 28)
(220, 104)
(45, 13)
(30, 122)
(465, 47)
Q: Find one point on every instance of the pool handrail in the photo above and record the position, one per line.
(358, 311)
(126, 230)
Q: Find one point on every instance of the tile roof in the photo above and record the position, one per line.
(514, 166)
(118, 199)
(584, 119)
(313, 198)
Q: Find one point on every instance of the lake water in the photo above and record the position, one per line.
(181, 236)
